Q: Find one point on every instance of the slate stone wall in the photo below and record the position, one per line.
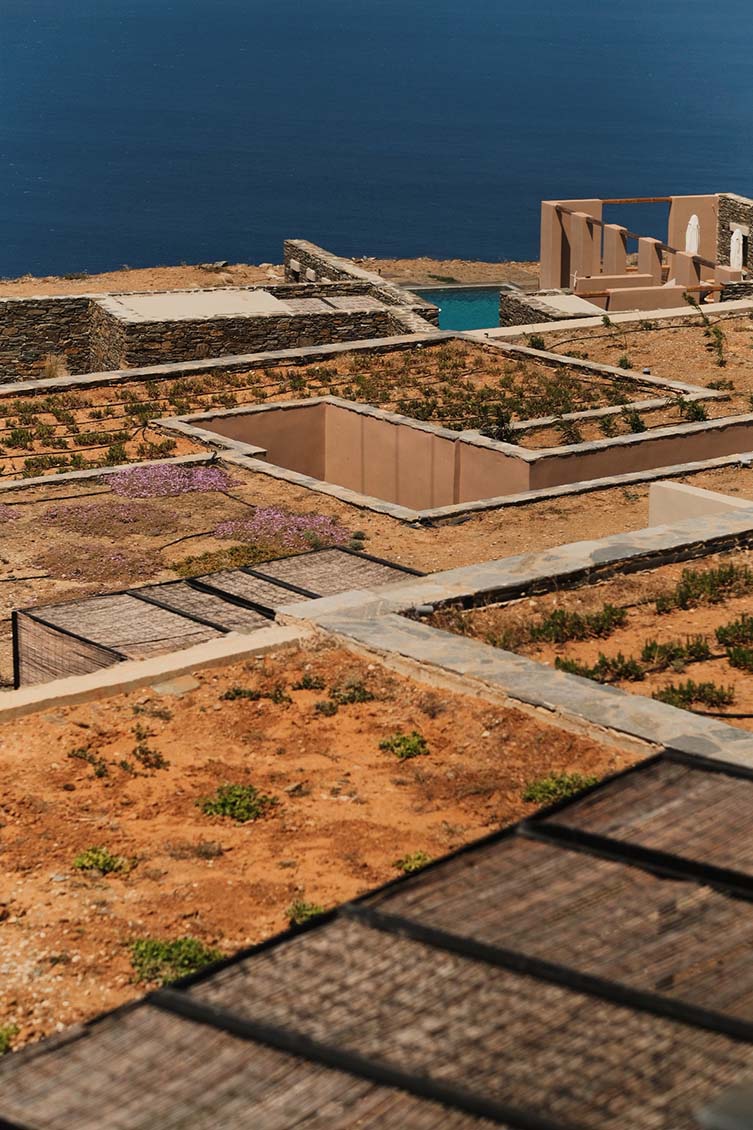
(519, 309)
(303, 260)
(151, 343)
(32, 328)
(109, 343)
(737, 210)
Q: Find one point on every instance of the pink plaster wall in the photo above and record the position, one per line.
(662, 451)
(293, 437)
(681, 209)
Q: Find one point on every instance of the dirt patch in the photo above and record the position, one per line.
(427, 272)
(675, 348)
(649, 633)
(346, 811)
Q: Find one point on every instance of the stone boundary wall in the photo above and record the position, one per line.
(108, 340)
(30, 328)
(149, 343)
(732, 209)
(90, 339)
(306, 262)
(519, 309)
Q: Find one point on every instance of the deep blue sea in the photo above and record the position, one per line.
(166, 131)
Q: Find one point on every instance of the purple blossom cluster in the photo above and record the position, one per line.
(167, 479)
(8, 513)
(272, 527)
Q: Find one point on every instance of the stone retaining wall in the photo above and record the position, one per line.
(32, 328)
(732, 209)
(149, 343)
(519, 309)
(306, 262)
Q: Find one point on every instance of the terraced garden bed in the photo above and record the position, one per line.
(682, 634)
(457, 384)
(143, 834)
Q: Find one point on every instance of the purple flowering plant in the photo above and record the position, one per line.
(167, 479)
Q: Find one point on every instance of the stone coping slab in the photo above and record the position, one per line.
(729, 309)
(178, 306)
(127, 676)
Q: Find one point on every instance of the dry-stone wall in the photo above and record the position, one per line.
(519, 309)
(32, 328)
(733, 210)
(150, 343)
(305, 262)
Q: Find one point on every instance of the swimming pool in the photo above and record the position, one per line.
(465, 308)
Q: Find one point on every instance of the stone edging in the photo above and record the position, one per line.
(376, 621)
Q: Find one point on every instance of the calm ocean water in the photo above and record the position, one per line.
(161, 131)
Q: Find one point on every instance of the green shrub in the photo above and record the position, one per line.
(405, 746)
(741, 658)
(101, 860)
(706, 586)
(624, 362)
(536, 341)
(561, 626)
(558, 786)
(326, 707)
(98, 764)
(233, 693)
(685, 695)
(309, 683)
(606, 669)
(675, 653)
(692, 410)
(301, 911)
(570, 433)
(154, 960)
(633, 420)
(413, 861)
(148, 757)
(737, 632)
(239, 802)
(350, 691)
(7, 1033)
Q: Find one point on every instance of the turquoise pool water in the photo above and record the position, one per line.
(476, 308)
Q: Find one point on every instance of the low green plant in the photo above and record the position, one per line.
(606, 669)
(326, 707)
(405, 746)
(413, 861)
(741, 658)
(234, 693)
(309, 683)
(241, 803)
(98, 764)
(687, 694)
(706, 586)
(158, 961)
(570, 433)
(737, 632)
(8, 1032)
(562, 626)
(536, 341)
(607, 425)
(349, 692)
(692, 410)
(101, 860)
(624, 362)
(675, 653)
(148, 757)
(301, 911)
(557, 786)
(633, 420)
